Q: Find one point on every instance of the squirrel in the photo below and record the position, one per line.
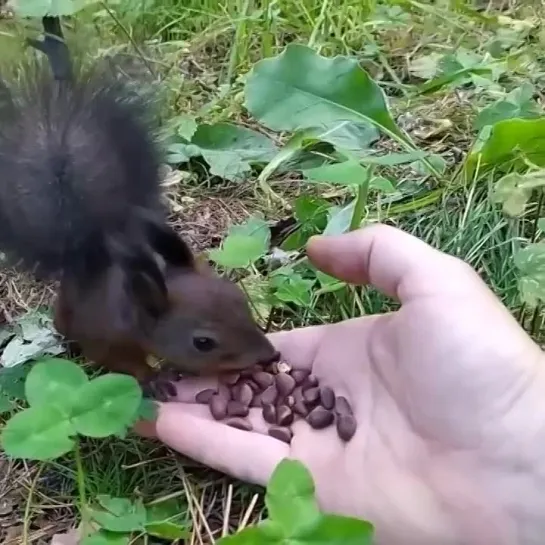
(80, 202)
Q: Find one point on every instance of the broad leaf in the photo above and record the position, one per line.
(103, 537)
(514, 190)
(508, 141)
(290, 498)
(54, 380)
(348, 173)
(230, 150)
(519, 103)
(338, 530)
(38, 433)
(339, 219)
(300, 89)
(120, 514)
(347, 135)
(165, 520)
(244, 244)
(530, 261)
(252, 535)
(106, 405)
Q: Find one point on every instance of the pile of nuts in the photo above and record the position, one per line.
(285, 395)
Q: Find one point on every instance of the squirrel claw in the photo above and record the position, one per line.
(160, 387)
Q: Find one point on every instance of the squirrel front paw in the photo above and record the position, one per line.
(161, 385)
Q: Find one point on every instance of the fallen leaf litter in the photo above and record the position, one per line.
(284, 395)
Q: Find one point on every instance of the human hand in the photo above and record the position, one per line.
(449, 394)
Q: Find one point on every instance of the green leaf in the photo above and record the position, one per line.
(186, 126)
(508, 141)
(293, 90)
(54, 380)
(244, 245)
(252, 535)
(293, 289)
(230, 150)
(347, 135)
(103, 537)
(165, 520)
(339, 530)
(348, 173)
(290, 498)
(53, 8)
(519, 103)
(530, 261)
(379, 183)
(339, 219)
(12, 381)
(106, 405)
(514, 190)
(38, 433)
(119, 514)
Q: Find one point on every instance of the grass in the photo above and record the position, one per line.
(199, 46)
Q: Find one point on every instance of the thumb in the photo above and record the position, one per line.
(396, 263)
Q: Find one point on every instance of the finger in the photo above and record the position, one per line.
(248, 456)
(396, 263)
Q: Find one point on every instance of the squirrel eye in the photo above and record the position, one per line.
(204, 344)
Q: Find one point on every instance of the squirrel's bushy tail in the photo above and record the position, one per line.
(76, 159)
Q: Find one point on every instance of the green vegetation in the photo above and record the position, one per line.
(285, 119)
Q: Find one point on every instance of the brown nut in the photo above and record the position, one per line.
(285, 384)
(320, 418)
(281, 433)
(346, 426)
(284, 416)
(310, 382)
(299, 375)
(204, 396)
(253, 385)
(342, 406)
(244, 394)
(269, 413)
(311, 396)
(229, 378)
(256, 401)
(239, 423)
(224, 392)
(218, 406)
(269, 395)
(236, 408)
(263, 379)
(327, 397)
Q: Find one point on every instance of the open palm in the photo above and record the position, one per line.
(442, 389)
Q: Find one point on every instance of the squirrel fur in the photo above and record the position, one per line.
(80, 201)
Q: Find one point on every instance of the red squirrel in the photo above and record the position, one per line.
(80, 201)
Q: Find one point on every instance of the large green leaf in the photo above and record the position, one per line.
(106, 405)
(54, 380)
(38, 433)
(509, 141)
(300, 89)
(230, 150)
(290, 498)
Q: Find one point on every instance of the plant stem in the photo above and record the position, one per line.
(81, 488)
(361, 201)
